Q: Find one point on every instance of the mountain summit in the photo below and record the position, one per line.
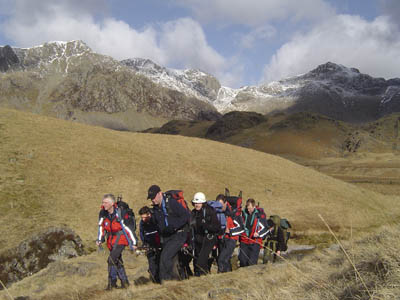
(331, 89)
(69, 81)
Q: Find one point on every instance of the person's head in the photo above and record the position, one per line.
(221, 198)
(155, 195)
(199, 199)
(145, 214)
(250, 205)
(108, 201)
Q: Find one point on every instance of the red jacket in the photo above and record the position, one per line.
(110, 226)
(235, 228)
(258, 223)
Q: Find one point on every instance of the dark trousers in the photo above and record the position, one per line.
(248, 254)
(153, 258)
(170, 248)
(202, 249)
(224, 259)
(116, 264)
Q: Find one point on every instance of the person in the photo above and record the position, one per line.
(172, 222)
(227, 242)
(205, 227)
(151, 240)
(255, 229)
(276, 242)
(113, 224)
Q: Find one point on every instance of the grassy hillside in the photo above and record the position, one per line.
(54, 171)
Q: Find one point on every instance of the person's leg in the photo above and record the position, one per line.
(253, 254)
(169, 251)
(153, 258)
(114, 265)
(206, 248)
(244, 255)
(224, 259)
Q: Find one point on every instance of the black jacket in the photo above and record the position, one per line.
(205, 221)
(170, 216)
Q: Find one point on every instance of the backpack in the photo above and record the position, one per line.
(276, 221)
(217, 206)
(235, 202)
(178, 196)
(261, 212)
(129, 219)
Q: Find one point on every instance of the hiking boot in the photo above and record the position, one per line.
(124, 284)
(111, 284)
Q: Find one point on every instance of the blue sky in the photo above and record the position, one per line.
(241, 42)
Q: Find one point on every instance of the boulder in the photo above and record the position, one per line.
(36, 252)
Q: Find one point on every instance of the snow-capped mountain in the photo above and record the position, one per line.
(70, 81)
(191, 82)
(331, 89)
(71, 76)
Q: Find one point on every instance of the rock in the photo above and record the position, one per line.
(7, 58)
(35, 253)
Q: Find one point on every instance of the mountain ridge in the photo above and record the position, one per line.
(91, 82)
(70, 81)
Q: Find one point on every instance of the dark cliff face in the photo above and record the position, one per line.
(8, 58)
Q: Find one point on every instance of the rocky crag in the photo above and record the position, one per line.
(35, 253)
(69, 81)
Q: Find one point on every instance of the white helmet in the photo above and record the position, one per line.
(199, 198)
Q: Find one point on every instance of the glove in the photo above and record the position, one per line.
(168, 230)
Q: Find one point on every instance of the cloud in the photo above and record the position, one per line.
(262, 33)
(256, 12)
(179, 43)
(185, 42)
(373, 47)
(391, 8)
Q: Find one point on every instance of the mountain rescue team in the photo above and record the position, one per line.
(172, 235)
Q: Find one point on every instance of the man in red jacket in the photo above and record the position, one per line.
(255, 229)
(114, 221)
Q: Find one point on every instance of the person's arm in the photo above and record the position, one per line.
(237, 227)
(100, 234)
(262, 228)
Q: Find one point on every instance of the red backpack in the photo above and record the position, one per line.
(261, 211)
(178, 196)
(235, 202)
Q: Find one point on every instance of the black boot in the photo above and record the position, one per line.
(111, 284)
(124, 284)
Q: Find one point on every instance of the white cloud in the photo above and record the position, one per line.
(262, 33)
(373, 47)
(257, 12)
(186, 45)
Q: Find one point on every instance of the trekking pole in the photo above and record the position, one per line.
(8, 293)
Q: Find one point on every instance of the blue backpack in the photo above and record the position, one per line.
(217, 206)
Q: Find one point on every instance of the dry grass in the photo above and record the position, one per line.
(326, 274)
(54, 172)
